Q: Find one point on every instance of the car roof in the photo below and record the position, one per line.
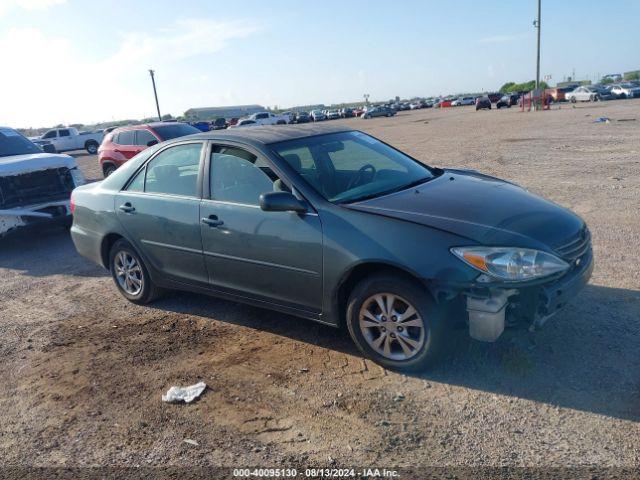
(142, 126)
(266, 134)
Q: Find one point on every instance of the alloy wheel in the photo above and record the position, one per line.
(128, 273)
(392, 326)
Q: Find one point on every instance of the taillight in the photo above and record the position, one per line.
(72, 204)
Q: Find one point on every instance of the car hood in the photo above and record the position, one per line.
(18, 164)
(481, 208)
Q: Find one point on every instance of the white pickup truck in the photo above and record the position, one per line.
(67, 139)
(35, 187)
(268, 118)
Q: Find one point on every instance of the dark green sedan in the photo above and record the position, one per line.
(333, 225)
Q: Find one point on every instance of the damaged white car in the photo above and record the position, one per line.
(35, 187)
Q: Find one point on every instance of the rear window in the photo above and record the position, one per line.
(13, 143)
(175, 130)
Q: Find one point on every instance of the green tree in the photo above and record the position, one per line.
(606, 80)
(506, 88)
(632, 76)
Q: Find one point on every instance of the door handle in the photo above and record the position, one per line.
(127, 208)
(212, 221)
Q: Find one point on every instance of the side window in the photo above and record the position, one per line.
(137, 184)
(50, 134)
(174, 171)
(144, 137)
(260, 116)
(64, 133)
(240, 177)
(300, 159)
(126, 138)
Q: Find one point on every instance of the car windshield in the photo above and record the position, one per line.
(175, 130)
(351, 166)
(12, 143)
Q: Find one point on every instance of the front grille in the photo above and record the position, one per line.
(35, 187)
(576, 246)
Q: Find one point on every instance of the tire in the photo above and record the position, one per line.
(146, 291)
(573, 100)
(108, 169)
(92, 147)
(427, 341)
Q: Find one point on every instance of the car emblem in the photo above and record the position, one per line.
(578, 261)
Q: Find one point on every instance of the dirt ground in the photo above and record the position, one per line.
(82, 370)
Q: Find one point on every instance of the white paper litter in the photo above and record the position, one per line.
(184, 394)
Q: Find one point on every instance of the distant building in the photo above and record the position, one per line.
(614, 77)
(568, 83)
(307, 108)
(211, 113)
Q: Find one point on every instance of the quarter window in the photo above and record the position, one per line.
(137, 184)
(239, 176)
(174, 171)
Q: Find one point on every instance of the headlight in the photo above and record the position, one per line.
(78, 178)
(511, 264)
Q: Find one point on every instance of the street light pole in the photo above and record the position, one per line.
(155, 94)
(537, 25)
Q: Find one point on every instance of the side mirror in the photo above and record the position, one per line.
(152, 143)
(281, 202)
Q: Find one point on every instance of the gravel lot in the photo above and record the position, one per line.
(83, 370)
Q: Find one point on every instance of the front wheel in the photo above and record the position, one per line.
(394, 322)
(573, 100)
(131, 275)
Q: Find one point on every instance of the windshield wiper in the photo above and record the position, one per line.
(388, 192)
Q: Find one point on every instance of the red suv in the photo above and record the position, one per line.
(124, 143)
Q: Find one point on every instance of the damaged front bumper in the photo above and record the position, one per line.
(20, 218)
(492, 308)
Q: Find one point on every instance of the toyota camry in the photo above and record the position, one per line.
(333, 225)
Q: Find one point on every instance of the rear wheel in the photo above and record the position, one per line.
(131, 275)
(92, 147)
(108, 169)
(395, 323)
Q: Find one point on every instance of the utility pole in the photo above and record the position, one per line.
(155, 94)
(536, 24)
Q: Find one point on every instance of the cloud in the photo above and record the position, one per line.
(186, 38)
(31, 5)
(69, 87)
(503, 38)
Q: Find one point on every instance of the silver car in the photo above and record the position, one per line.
(583, 94)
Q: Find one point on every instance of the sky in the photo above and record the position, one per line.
(86, 61)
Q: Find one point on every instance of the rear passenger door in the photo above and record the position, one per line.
(125, 144)
(159, 209)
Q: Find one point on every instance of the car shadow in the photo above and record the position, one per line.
(586, 358)
(47, 250)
